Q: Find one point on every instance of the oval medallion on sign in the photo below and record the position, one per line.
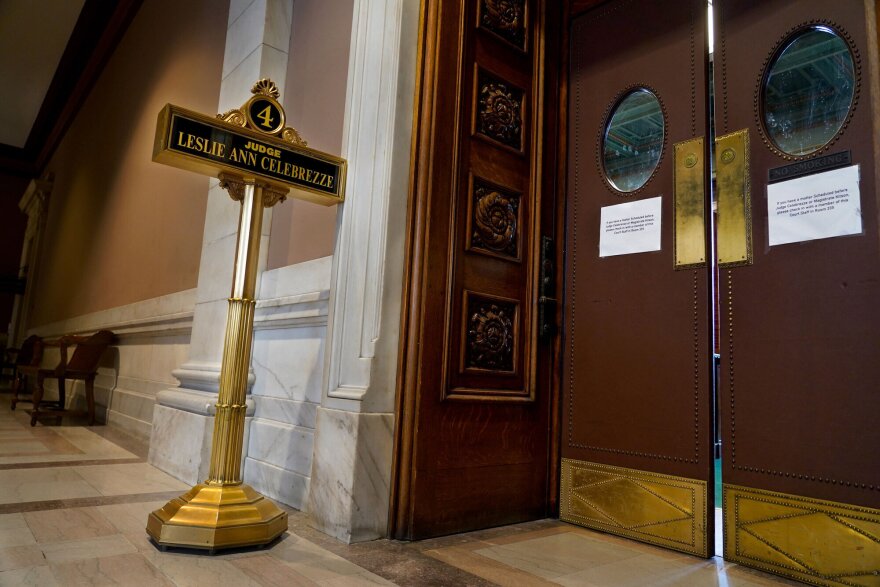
(633, 140)
(264, 114)
(808, 91)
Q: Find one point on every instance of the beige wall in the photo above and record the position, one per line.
(314, 99)
(121, 228)
(12, 227)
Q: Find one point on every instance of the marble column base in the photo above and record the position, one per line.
(351, 474)
(183, 425)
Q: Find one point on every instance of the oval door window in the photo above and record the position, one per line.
(633, 140)
(808, 91)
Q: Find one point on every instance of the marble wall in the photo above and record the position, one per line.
(290, 327)
(152, 339)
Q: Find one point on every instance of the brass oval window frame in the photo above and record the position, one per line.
(784, 43)
(610, 111)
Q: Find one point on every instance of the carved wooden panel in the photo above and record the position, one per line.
(490, 333)
(506, 19)
(475, 410)
(494, 220)
(499, 109)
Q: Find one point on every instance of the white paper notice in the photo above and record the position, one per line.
(813, 207)
(633, 227)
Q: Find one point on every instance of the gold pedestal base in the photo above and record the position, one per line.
(217, 516)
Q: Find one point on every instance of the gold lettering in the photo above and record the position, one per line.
(330, 182)
(233, 155)
(266, 116)
(251, 159)
(264, 161)
(180, 138)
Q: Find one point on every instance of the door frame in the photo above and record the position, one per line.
(552, 124)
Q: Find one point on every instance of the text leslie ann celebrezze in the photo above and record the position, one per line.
(253, 154)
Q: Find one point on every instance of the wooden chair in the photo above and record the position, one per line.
(29, 355)
(83, 366)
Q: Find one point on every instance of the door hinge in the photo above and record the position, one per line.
(547, 290)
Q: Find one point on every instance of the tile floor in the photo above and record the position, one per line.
(74, 502)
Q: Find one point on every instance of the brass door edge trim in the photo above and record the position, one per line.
(665, 502)
(733, 179)
(757, 537)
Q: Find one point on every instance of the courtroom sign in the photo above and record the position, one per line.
(250, 142)
(259, 161)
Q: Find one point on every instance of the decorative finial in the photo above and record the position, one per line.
(266, 87)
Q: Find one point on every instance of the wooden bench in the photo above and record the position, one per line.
(83, 366)
(29, 355)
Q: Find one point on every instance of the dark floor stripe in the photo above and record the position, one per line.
(6, 466)
(81, 502)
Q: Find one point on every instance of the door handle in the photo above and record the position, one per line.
(547, 289)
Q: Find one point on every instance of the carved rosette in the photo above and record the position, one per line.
(499, 111)
(495, 220)
(489, 342)
(505, 18)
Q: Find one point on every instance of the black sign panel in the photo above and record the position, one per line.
(206, 145)
(810, 166)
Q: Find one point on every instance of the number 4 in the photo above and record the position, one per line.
(266, 116)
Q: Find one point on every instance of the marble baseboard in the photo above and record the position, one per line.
(287, 487)
(137, 428)
(351, 474)
(180, 443)
(293, 412)
(281, 445)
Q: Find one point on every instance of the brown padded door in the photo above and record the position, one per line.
(636, 374)
(800, 333)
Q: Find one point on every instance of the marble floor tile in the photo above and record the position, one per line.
(557, 555)
(16, 537)
(90, 443)
(123, 569)
(130, 518)
(30, 576)
(466, 559)
(68, 524)
(198, 570)
(8, 521)
(322, 568)
(359, 580)
(23, 485)
(104, 546)
(271, 571)
(129, 478)
(17, 448)
(18, 557)
(293, 549)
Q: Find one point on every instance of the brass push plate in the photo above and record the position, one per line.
(734, 199)
(690, 210)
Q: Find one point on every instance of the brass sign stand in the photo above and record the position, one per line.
(259, 162)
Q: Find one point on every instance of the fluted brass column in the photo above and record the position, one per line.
(223, 512)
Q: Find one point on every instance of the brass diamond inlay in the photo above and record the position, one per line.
(660, 509)
(820, 542)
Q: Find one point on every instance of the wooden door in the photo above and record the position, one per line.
(637, 454)
(800, 321)
(473, 445)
